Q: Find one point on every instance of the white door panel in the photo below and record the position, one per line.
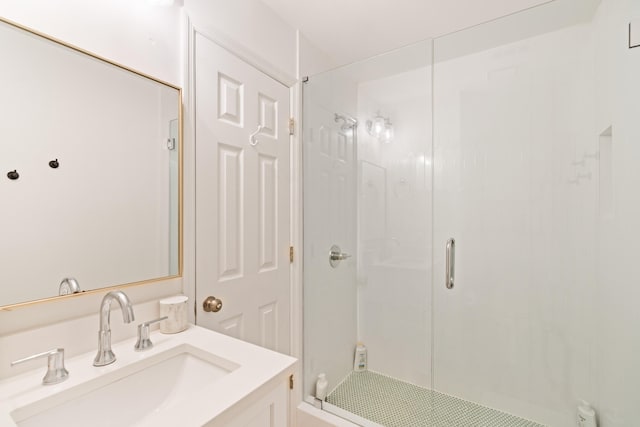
(242, 198)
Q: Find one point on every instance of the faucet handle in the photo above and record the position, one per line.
(56, 371)
(144, 342)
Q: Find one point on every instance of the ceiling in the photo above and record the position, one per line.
(350, 30)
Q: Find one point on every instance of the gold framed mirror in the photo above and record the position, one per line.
(91, 178)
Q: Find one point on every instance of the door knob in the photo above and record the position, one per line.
(212, 304)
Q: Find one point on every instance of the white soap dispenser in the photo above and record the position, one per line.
(321, 387)
(586, 415)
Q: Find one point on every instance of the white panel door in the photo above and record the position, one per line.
(242, 198)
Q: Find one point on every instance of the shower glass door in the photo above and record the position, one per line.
(515, 184)
(367, 199)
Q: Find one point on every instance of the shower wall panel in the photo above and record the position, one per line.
(330, 304)
(615, 362)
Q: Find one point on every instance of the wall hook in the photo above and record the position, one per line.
(54, 164)
(13, 175)
(252, 138)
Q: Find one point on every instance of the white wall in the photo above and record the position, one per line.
(149, 38)
(312, 60)
(134, 33)
(616, 311)
(250, 30)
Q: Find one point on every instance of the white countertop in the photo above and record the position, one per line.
(256, 367)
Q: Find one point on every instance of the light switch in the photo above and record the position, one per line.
(634, 33)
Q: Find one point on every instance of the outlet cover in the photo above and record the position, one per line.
(634, 33)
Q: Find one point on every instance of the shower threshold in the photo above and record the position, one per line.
(393, 403)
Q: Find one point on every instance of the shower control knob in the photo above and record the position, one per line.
(212, 304)
(336, 255)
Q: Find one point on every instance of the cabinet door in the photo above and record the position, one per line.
(268, 409)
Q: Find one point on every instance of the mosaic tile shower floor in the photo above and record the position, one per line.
(394, 403)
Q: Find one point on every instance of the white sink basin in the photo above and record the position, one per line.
(129, 397)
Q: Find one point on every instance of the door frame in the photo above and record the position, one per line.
(189, 183)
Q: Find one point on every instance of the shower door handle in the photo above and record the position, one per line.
(450, 266)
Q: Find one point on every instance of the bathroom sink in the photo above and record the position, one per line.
(129, 396)
(194, 378)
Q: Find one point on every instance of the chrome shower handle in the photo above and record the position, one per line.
(339, 256)
(450, 266)
(336, 255)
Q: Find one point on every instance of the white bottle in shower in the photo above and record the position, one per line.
(321, 387)
(586, 415)
(360, 358)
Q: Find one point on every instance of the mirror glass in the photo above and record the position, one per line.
(90, 155)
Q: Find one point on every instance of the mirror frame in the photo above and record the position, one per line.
(11, 307)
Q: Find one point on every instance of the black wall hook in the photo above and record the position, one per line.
(13, 175)
(54, 164)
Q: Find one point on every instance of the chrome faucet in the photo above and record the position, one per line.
(105, 356)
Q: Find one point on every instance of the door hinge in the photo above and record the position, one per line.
(290, 253)
(291, 382)
(292, 126)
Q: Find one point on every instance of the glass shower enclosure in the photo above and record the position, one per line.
(471, 217)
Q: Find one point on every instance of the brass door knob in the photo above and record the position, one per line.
(212, 304)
